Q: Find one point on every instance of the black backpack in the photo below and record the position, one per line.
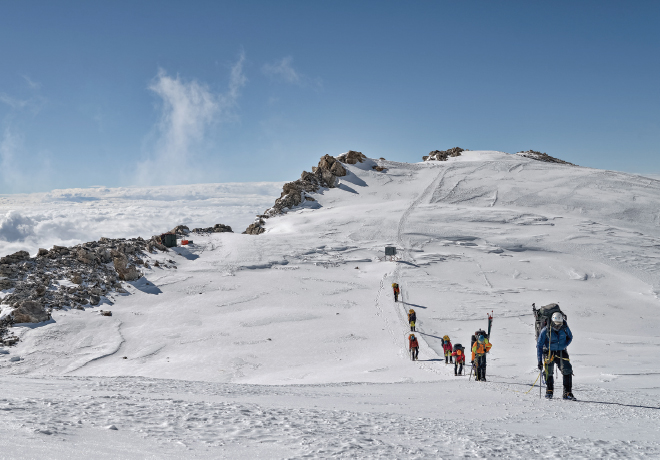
(543, 316)
(458, 346)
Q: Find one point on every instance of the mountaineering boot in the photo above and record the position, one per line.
(568, 386)
(548, 394)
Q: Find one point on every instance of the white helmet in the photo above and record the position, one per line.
(557, 318)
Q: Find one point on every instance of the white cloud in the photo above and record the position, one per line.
(188, 109)
(283, 70)
(13, 102)
(71, 216)
(16, 227)
(31, 83)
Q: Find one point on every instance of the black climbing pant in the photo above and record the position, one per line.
(480, 366)
(561, 359)
(458, 368)
(415, 352)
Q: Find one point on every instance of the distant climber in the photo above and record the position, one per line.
(447, 347)
(413, 346)
(459, 352)
(479, 350)
(397, 291)
(558, 337)
(412, 319)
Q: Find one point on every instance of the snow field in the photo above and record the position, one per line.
(289, 344)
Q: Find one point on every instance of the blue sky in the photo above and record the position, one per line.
(135, 93)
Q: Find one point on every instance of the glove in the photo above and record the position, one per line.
(472, 362)
(540, 366)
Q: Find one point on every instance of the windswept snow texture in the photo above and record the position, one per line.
(72, 216)
(289, 344)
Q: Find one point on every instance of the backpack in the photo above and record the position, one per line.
(458, 346)
(543, 315)
(477, 334)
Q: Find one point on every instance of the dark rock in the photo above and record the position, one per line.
(217, 228)
(15, 257)
(30, 312)
(534, 155)
(106, 313)
(42, 252)
(352, 157)
(180, 230)
(125, 271)
(6, 284)
(94, 300)
(443, 155)
(255, 228)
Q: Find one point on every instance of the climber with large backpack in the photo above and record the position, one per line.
(553, 339)
(459, 352)
(413, 347)
(479, 350)
(412, 319)
(397, 291)
(447, 348)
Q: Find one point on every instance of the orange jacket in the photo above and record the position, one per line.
(480, 348)
(460, 356)
(413, 343)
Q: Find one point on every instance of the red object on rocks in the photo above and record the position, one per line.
(184, 242)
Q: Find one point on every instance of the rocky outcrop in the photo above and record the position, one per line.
(534, 155)
(217, 228)
(443, 155)
(125, 270)
(180, 230)
(294, 193)
(30, 312)
(352, 157)
(256, 228)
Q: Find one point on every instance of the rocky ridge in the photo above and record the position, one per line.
(443, 155)
(534, 155)
(294, 193)
(74, 277)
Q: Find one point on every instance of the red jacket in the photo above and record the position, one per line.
(413, 343)
(447, 346)
(460, 356)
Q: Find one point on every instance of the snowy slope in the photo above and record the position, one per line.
(309, 302)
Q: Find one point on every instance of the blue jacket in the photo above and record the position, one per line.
(559, 340)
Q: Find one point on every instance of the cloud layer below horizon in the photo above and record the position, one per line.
(72, 216)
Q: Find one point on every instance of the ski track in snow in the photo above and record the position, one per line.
(291, 345)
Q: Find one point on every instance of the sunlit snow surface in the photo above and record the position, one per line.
(289, 344)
